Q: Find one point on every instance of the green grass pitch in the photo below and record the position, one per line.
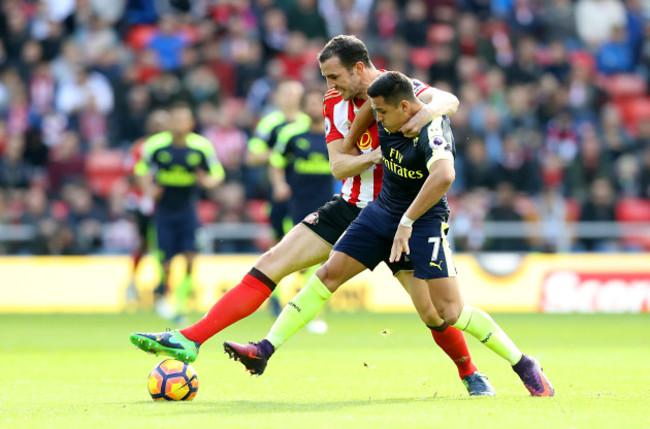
(80, 371)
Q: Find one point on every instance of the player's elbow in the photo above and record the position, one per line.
(337, 171)
(447, 177)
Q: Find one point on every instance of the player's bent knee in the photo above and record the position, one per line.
(451, 315)
(430, 317)
(330, 277)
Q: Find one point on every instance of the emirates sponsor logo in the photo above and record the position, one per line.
(570, 291)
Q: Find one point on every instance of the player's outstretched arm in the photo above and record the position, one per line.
(344, 165)
(362, 121)
(438, 103)
(278, 179)
(441, 176)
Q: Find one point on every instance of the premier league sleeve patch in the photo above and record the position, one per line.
(328, 126)
(437, 142)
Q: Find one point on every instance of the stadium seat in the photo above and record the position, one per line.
(59, 209)
(140, 35)
(634, 110)
(624, 85)
(258, 210)
(103, 169)
(634, 210)
(207, 211)
(421, 58)
(440, 34)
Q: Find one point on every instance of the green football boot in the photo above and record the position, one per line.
(168, 343)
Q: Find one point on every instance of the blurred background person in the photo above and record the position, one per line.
(173, 165)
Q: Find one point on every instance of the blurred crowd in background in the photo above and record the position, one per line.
(553, 126)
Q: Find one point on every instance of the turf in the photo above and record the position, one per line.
(80, 371)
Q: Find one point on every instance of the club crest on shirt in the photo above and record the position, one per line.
(311, 218)
(365, 141)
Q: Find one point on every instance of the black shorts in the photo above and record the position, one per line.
(331, 220)
(370, 238)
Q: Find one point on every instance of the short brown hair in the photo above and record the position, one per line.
(393, 86)
(349, 49)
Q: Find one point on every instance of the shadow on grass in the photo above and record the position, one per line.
(256, 407)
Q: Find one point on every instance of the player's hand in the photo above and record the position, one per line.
(414, 125)
(400, 243)
(156, 191)
(281, 192)
(376, 156)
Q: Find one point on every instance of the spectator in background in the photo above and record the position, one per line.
(552, 213)
(525, 69)
(504, 211)
(584, 96)
(168, 43)
(296, 57)
(596, 19)
(85, 218)
(202, 86)
(470, 41)
(645, 172)
(65, 66)
(616, 54)
(589, 165)
(600, 206)
(35, 153)
(260, 94)
(616, 141)
(443, 68)
(86, 88)
(231, 200)
(479, 173)
(558, 17)
(219, 125)
(14, 171)
(414, 25)
(166, 89)
(36, 207)
(17, 33)
(304, 17)
(65, 162)
(132, 121)
(275, 33)
(516, 168)
(561, 137)
(627, 171)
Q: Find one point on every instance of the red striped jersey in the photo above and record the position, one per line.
(339, 115)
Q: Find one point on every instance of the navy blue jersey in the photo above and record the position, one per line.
(267, 130)
(175, 168)
(407, 162)
(304, 156)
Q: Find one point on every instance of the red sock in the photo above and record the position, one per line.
(136, 259)
(452, 342)
(237, 303)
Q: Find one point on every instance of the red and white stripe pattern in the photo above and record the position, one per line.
(339, 115)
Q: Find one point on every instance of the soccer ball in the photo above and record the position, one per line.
(173, 380)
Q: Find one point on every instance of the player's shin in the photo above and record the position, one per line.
(237, 303)
(452, 342)
(479, 324)
(299, 311)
